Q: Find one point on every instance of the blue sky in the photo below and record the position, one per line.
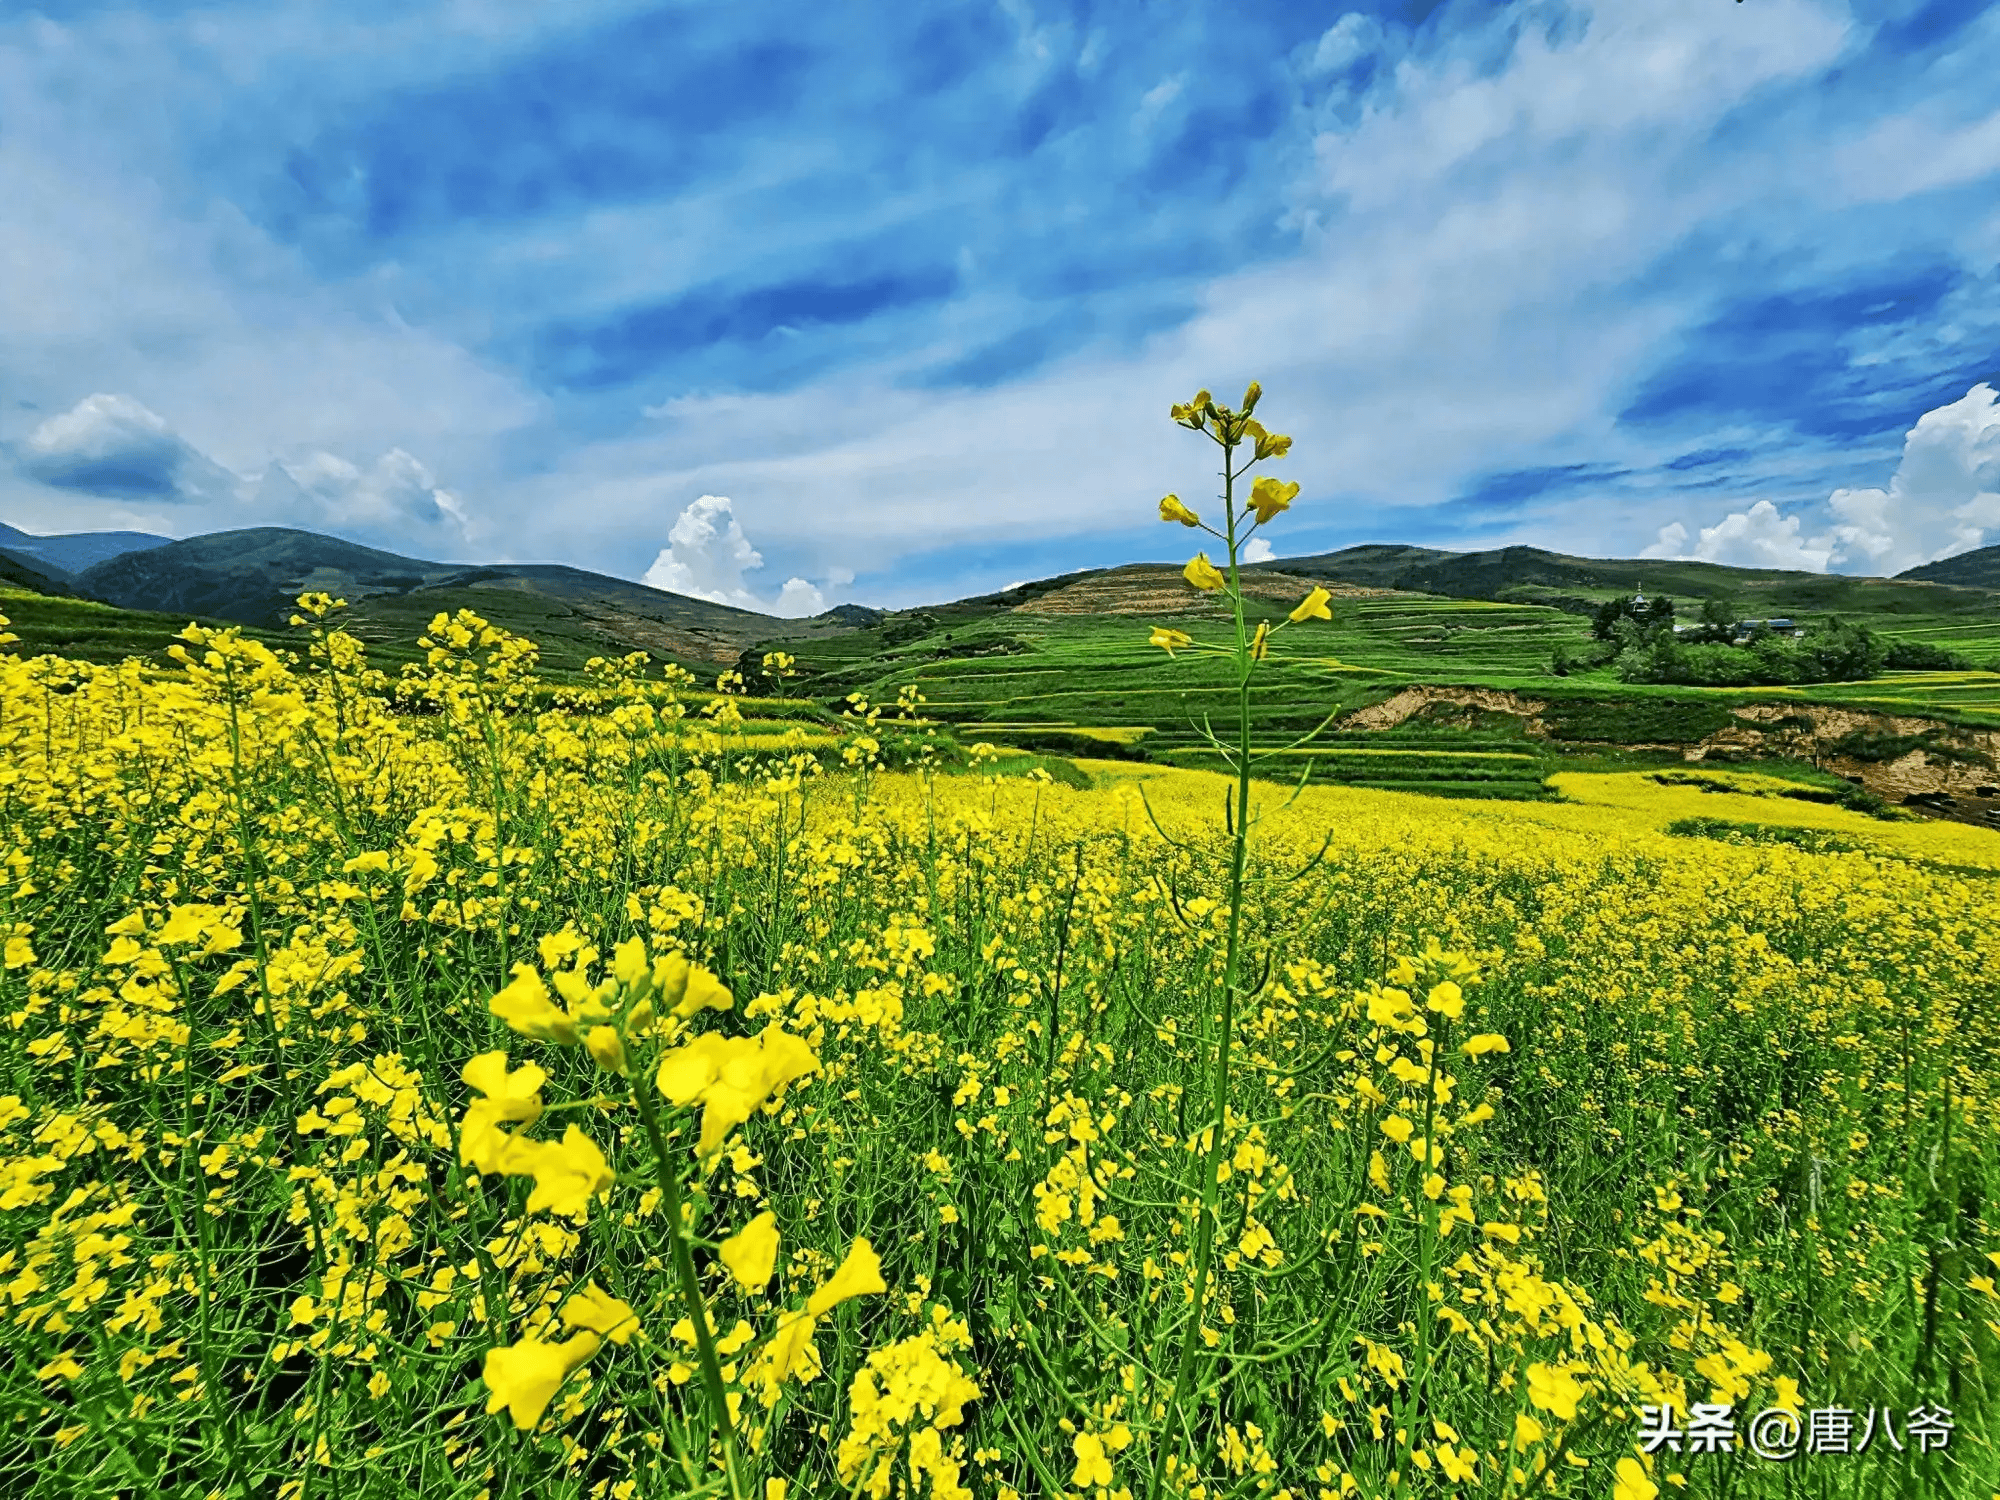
(911, 287)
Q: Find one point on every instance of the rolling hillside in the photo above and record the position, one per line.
(21, 572)
(1529, 575)
(1980, 569)
(253, 576)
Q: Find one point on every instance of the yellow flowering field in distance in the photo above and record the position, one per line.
(423, 1093)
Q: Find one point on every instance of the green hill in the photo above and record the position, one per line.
(21, 572)
(1530, 575)
(1979, 569)
(253, 577)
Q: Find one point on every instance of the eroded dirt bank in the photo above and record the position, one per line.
(1928, 764)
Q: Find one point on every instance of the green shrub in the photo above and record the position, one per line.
(1635, 721)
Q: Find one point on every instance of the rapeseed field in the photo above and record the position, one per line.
(412, 1093)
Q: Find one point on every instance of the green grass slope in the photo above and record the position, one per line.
(1980, 569)
(88, 630)
(1531, 575)
(19, 571)
(1065, 667)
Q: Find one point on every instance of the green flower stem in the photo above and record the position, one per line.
(704, 1340)
(1413, 1404)
(1211, 1186)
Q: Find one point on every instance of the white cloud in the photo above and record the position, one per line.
(1944, 497)
(115, 446)
(1155, 101)
(395, 492)
(707, 556)
(1672, 542)
(1259, 550)
(798, 598)
(1913, 154)
(1345, 43)
(1760, 537)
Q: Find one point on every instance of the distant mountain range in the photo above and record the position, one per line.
(74, 551)
(253, 576)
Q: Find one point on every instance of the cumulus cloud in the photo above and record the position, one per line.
(1943, 499)
(708, 554)
(391, 495)
(1761, 537)
(115, 446)
(798, 598)
(1259, 550)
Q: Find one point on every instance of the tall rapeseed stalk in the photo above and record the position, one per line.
(1230, 430)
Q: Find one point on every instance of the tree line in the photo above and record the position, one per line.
(1638, 640)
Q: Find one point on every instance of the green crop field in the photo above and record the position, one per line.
(1091, 684)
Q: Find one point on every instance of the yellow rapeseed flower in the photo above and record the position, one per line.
(752, 1252)
(524, 1377)
(1632, 1483)
(525, 1005)
(1171, 509)
(597, 1310)
(1093, 1466)
(1171, 641)
(1269, 496)
(859, 1276)
(1447, 999)
(62, 1367)
(732, 1077)
(1554, 1389)
(1202, 573)
(1478, 1046)
(568, 1173)
(608, 1049)
(1312, 607)
(510, 1098)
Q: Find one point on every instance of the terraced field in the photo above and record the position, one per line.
(1970, 696)
(1071, 672)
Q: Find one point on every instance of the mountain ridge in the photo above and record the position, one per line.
(1976, 569)
(252, 576)
(70, 552)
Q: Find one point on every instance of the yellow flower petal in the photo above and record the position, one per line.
(524, 1377)
(598, 1311)
(525, 1005)
(1202, 574)
(859, 1275)
(1632, 1483)
(568, 1173)
(1270, 496)
(752, 1252)
(608, 1048)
